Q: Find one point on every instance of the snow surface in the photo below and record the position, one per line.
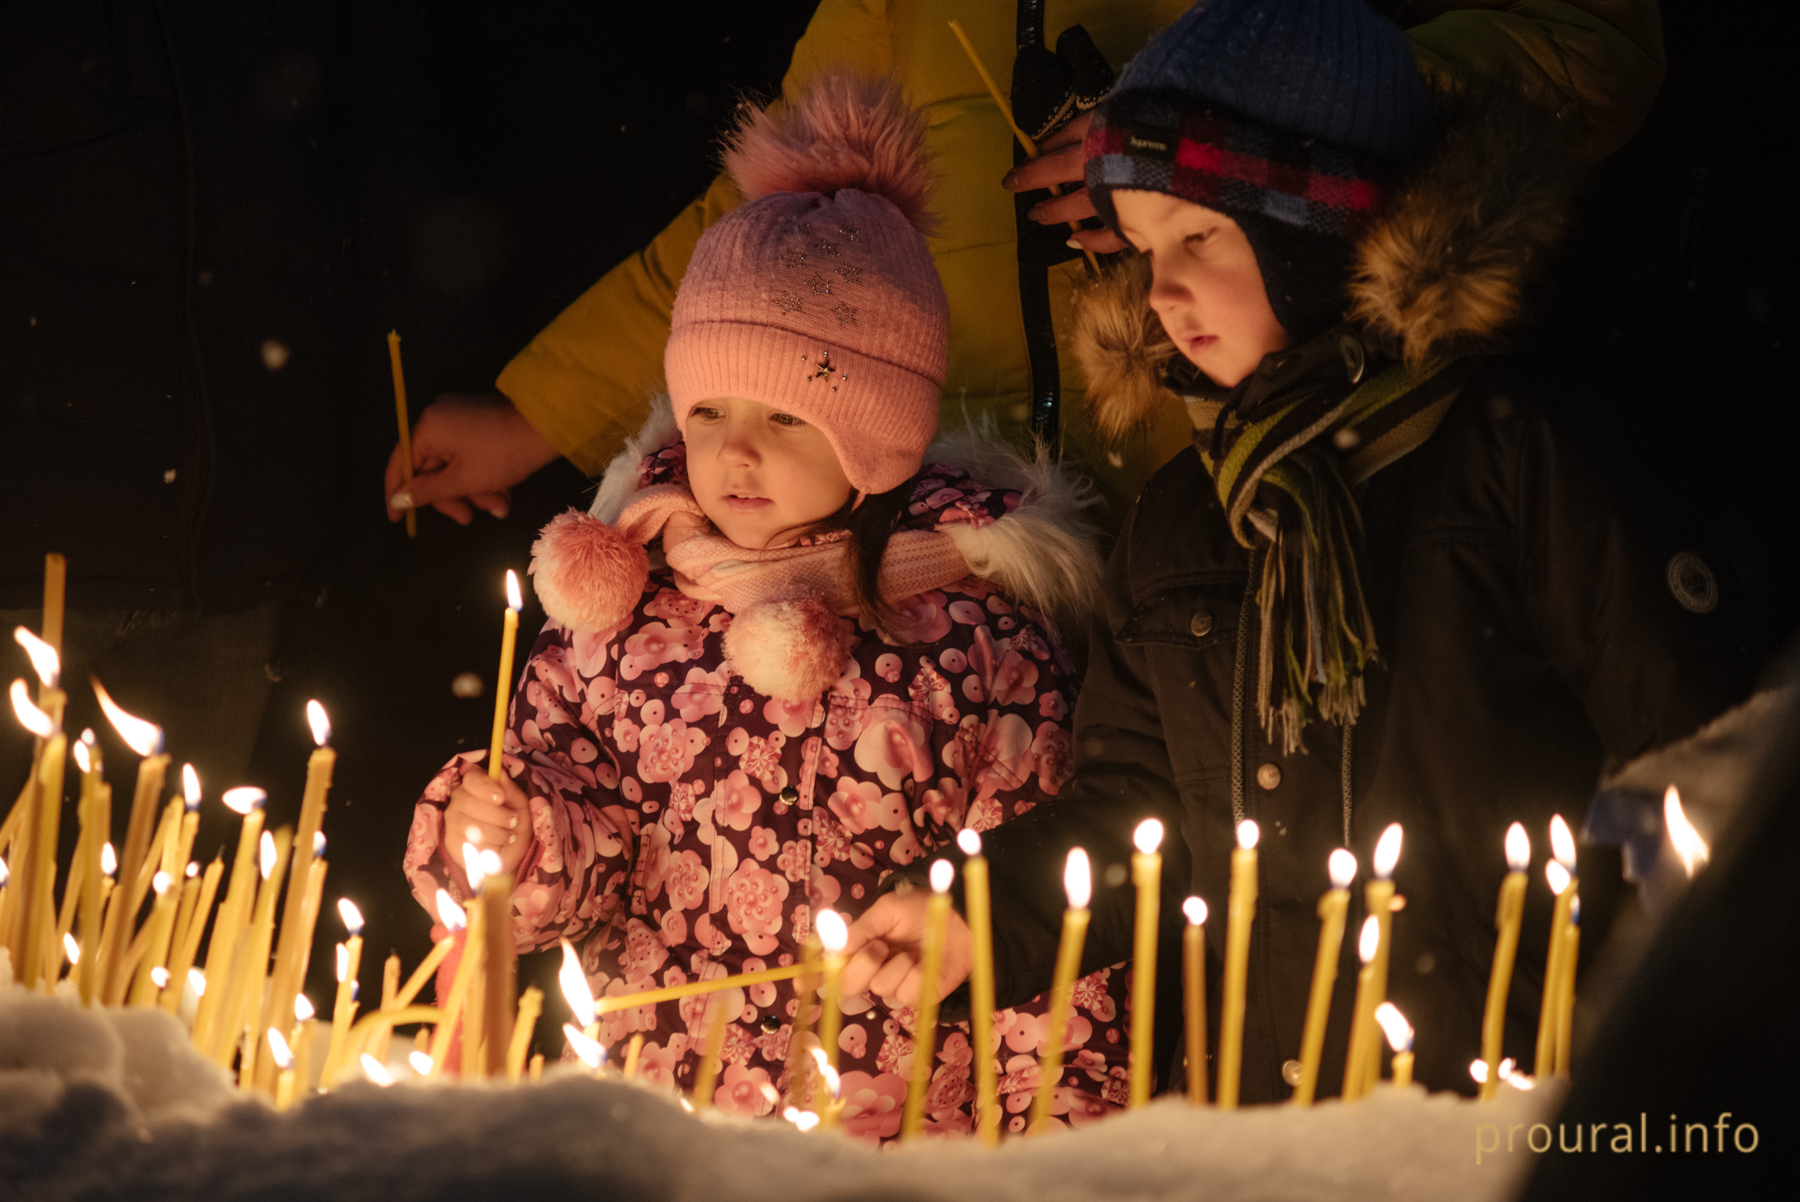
(115, 1104)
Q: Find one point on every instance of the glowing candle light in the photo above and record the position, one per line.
(144, 738)
(349, 960)
(1560, 872)
(453, 919)
(499, 990)
(1399, 1034)
(509, 631)
(95, 815)
(420, 1061)
(981, 985)
(44, 659)
(244, 984)
(834, 935)
(1689, 847)
(1193, 976)
(467, 979)
(1146, 877)
(187, 942)
(1378, 897)
(1078, 884)
(376, 1071)
(39, 914)
(586, 1050)
(71, 949)
(283, 1057)
(294, 949)
(234, 912)
(1334, 907)
(575, 988)
(156, 954)
(1362, 1022)
(1240, 914)
(1507, 914)
(401, 416)
(931, 961)
(1565, 992)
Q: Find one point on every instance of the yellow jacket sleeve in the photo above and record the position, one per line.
(1599, 63)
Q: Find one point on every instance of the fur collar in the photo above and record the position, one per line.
(1444, 271)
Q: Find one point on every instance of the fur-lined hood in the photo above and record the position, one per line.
(1444, 270)
(1045, 553)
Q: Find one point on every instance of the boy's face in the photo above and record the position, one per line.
(762, 476)
(1207, 287)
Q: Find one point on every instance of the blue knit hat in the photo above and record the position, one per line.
(1330, 69)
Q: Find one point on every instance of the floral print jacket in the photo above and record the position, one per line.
(686, 827)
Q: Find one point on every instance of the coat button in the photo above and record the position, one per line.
(1200, 625)
(1290, 1071)
(770, 1024)
(1268, 776)
(790, 795)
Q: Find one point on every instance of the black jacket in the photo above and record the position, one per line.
(207, 211)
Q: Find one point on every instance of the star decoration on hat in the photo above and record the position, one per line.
(828, 248)
(793, 256)
(849, 233)
(819, 284)
(850, 272)
(787, 302)
(824, 369)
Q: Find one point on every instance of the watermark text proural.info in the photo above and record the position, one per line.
(1720, 1135)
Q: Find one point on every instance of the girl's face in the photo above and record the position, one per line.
(1206, 285)
(762, 476)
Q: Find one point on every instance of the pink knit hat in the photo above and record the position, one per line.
(818, 296)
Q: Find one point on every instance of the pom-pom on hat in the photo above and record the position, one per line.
(818, 296)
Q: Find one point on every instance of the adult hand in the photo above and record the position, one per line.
(884, 950)
(468, 452)
(1060, 161)
(496, 812)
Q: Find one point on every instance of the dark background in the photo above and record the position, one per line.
(582, 128)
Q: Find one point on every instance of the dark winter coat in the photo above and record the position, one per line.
(1526, 634)
(206, 215)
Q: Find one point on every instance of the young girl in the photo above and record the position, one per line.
(840, 655)
(1379, 588)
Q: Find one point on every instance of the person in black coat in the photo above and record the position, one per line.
(208, 221)
(1380, 588)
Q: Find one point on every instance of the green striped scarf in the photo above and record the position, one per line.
(1285, 461)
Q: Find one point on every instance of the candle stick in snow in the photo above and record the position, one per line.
(1565, 991)
(390, 989)
(931, 961)
(294, 949)
(1146, 876)
(531, 1004)
(156, 953)
(509, 631)
(981, 985)
(1078, 884)
(1333, 907)
(500, 988)
(349, 960)
(144, 738)
(41, 939)
(187, 946)
(284, 1061)
(234, 912)
(834, 935)
(1240, 914)
(1378, 896)
(1399, 1034)
(96, 820)
(403, 419)
(1193, 977)
(1362, 1020)
(1507, 913)
(250, 959)
(1560, 872)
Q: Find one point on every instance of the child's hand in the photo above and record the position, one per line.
(884, 950)
(1061, 162)
(497, 813)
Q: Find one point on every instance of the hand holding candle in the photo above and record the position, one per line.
(403, 419)
(1146, 876)
(1334, 906)
(981, 986)
(931, 960)
(1507, 914)
(1240, 914)
(1193, 975)
(1078, 884)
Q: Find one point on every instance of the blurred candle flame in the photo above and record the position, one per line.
(1478, 1070)
(343, 963)
(145, 738)
(71, 948)
(1078, 879)
(43, 656)
(31, 717)
(1518, 848)
(320, 723)
(588, 1051)
(278, 1047)
(245, 798)
(1195, 910)
(969, 840)
(197, 982)
(1562, 843)
(267, 852)
(162, 880)
(1387, 851)
(833, 933)
(575, 987)
(159, 977)
(806, 1120)
(1369, 940)
(352, 916)
(376, 1071)
(1248, 833)
(109, 859)
(1557, 875)
(318, 844)
(190, 786)
(449, 913)
(472, 866)
(80, 751)
(1148, 836)
(1341, 867)
(514, 601)
(193, 868)
(303, 1007)
(1688, 844)
(942, 873)
(420, 1061)
(1393, 1023)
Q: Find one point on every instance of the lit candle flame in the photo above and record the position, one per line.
(1078, 879)
(5, 872)
(1518, 848)
(942, 873)
(588, 1051)
(245, 798)
(1387, 851)
(145, 738)
(1195, 910)
(1478, 1070)
(1562, 843)
(376, 1071)
(472, 866)
(1341, 867)
(193, 868)
(71, 949)
(833, 933)
(833, 1082)
(768, 1091)
(1521, 1080)
(575, 987)
(320, 723)
(162, 880)
(806, 1120)
(1688, 844)
(514, 601)
(197, 982)
(267, 852)
(1393, 1023)
(490, 864)
(159, 977)
(449, 913)
(1148, 836)
(1575, 910)
(1369, 940)
(343, 963)
(352, 916)
(109, 859)
(1506, 1068)
(1557, 875)
(1248, 833)
(278, 1046)
(318, 844)
(31, 717)
(43, 656)
(420, 1061)
(80, 751)
(303, 1008)
(969, 840)
(190, 786)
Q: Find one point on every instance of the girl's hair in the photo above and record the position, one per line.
(870, 526)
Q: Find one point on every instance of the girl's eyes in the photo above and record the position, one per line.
(786, 419)
(704, 413)
(1197, 239)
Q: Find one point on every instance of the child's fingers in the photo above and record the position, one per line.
(489, 835)
(498, 816)
(898, 978)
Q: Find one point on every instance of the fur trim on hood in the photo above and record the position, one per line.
(1444, 270)
(1044, 554)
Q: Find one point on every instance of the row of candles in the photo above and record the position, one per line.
(117, 960)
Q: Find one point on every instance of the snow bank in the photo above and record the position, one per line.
(115, 1104)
